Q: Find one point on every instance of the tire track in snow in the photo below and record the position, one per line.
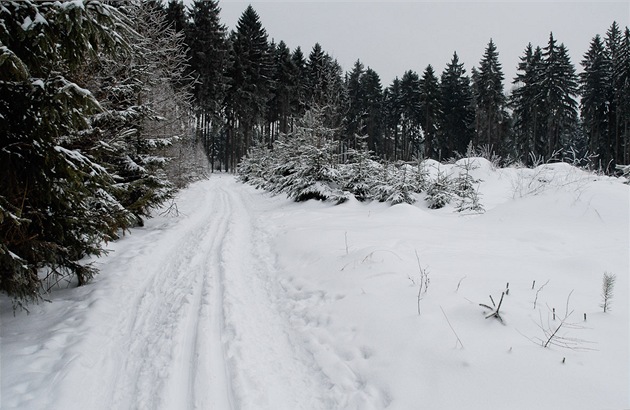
(172, 325)
(198, 321)
(269, 371)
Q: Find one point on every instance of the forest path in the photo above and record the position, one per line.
(184, 315)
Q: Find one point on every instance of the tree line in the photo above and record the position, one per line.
(251, 90)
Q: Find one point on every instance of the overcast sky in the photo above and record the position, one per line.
(393, 37)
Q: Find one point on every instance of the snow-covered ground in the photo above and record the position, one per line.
(246, 301)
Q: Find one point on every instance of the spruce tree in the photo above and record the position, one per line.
(55, 201)
(176, 15)
(283, 87)
(526, 104)
(207, 39)
(490, 102)
(250, 73)
(558, 87)
(372, 119)
(430, 110)
(354, 126)
(618, 47)
(393, 116)
(411, 129)
(299, 95)
(316, 76)
(597, 92)
(456, 122)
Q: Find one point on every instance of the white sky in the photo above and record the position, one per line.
(393, 37)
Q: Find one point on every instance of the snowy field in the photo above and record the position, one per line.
(247, 301)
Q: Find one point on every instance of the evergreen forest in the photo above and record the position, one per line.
(108, 108)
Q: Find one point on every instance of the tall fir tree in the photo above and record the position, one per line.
(373, 109)
(283, 88)
(456, 122)
(250, 80)
(558, 87)
(393, 115)
(526, 105)
(490, 101)
(411, 125)
(618, 46)
(356, 107)
(430, 110)
(299, 95)
(207, 39)
(176, 15)
(56, 203)
(316, 76)
(596, 89)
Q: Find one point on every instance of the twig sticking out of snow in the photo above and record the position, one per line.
(459, 283)
(495, 309)
(538, 291)
(459, 341)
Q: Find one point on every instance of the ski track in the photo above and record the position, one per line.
(203, 320)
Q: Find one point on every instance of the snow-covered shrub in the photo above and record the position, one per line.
(302, 164)
(358, 175)
(466, 187)
(395, 185)
(440, 191)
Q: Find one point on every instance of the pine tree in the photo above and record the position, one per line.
(176, 15)
(411, 129)
(283, 88)
(618, 47)
(207, 39)
(490, 102)
(55, 200)
(354, 126)
(456, 123)
(393, 116)
(614, 51)
(250, 73)
(558, 87)
(597, 92)
(316, 76)
(299, 95)
(372, 120)
(430, 111)
(526, 105)
(623, 90)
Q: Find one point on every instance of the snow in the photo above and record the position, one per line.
(248, 301)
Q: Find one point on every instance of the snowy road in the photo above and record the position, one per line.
(184, 315)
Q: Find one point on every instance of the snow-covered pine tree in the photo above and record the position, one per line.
(313, 173)
(55, 202)
(358, 175)
(147, 103)
(440, 191)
